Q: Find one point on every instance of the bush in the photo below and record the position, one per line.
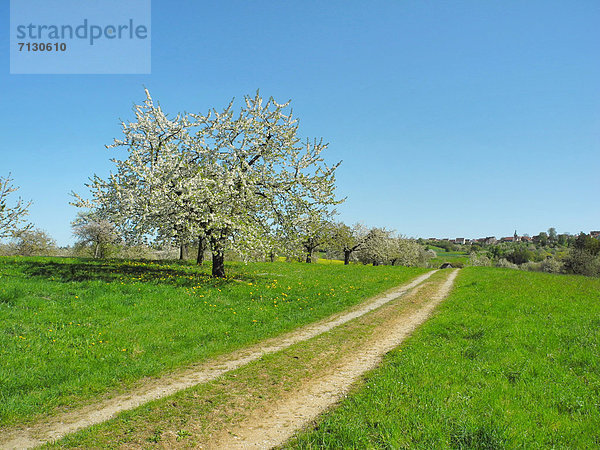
(136, 252)
(431, 253)
(531, 266)
(582, 262)
(551, 265)
(35, 243)
(506, 264)
(520, 255)
(587, 243)
(7, 250)
(480, 260)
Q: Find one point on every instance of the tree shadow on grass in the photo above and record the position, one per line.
(156, 272)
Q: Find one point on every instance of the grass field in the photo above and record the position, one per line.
(511, 360)
(73, 329)
(195, 417)
(443, 256)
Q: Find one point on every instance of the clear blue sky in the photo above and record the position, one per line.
(452, 119)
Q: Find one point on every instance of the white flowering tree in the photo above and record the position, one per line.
(226, 176)
(407, 252)
(12, 218)
(382, 246)
(378, 247)
(96, 231)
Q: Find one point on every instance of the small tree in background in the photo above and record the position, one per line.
(552, 236)
(314, 230)
(563, 240)
(543, 238)
(349, 239)
(378, 247)
(584, 257)
(408, 252)
(91, 230)
(35, 242)
(519, 254)
(12, 218)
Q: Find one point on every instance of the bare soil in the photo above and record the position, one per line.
(272, 426)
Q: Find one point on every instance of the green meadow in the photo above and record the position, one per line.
(510, 360)
(76, 329)
(459, 259)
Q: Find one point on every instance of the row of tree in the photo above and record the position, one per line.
(236, 180)
(355, 243)
(99, 238)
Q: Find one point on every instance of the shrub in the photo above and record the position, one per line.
(35, 243)
(480, 260)
(582, 262)
(520, 255)
(551, 265)
(587, 243)
(136, 252)
(506, 264)
(7, 250)
(531, 266)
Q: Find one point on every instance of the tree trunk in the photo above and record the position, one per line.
(309, 257)
(375, 263)
(183, 251)
(347, 257)
(218, 264)
(272, 256)
(201, 250)
(97, 250)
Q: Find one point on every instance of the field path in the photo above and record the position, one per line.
(72, 421)
(267, 429)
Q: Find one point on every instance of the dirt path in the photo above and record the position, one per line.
(73, 421)
(267, 429)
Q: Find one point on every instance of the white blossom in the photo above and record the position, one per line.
(232, 177)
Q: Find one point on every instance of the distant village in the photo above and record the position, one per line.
(490, 240)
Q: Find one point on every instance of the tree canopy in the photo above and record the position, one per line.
(12, 218)
(230, 176)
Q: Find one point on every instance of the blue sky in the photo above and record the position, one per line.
(452, 119)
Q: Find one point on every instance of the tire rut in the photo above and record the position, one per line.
(274, 427)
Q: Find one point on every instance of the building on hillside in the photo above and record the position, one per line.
(514, 238)
(490, 240)
(595, 234)
(461, 241)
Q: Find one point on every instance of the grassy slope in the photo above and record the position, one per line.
(73, 329)
(451, 257)
(512, 359)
